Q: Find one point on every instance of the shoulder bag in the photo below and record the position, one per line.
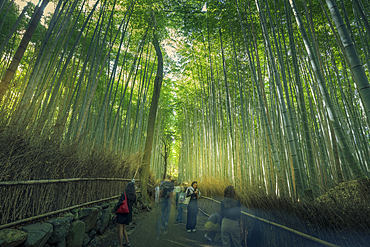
(123, 208)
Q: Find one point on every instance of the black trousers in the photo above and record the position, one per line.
(191, 220)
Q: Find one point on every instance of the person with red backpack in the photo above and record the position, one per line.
(124, 212)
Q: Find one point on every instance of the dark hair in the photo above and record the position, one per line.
(194, 182)
(130, 191)
(229, 192)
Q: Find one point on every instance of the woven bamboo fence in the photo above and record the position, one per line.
(25, 199)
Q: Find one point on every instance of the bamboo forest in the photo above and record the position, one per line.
(270, 96)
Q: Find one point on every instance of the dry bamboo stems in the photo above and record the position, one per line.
(49, 181)
(280, 226)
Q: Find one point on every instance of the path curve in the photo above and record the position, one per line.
(145, 234)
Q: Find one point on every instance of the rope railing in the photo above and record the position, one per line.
(58, 211)
(278, 225)
(66, 180)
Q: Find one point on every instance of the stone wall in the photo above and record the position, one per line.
(78, 228)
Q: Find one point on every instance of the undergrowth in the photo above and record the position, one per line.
(28, 158)
(345, 220)
(25, 157)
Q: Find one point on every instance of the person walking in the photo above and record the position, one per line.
(124, 219)
(194, 195)
(181, 206)
(177, 192)
(156, 195)
(166, 195)
(231, 214)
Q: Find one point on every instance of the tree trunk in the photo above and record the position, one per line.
(165, 157)
(144, 174)
(5, 81)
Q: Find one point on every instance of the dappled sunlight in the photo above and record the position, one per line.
(271, 97)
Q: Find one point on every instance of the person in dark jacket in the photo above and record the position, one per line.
(231, 214)
(194, 194)
(125, 219)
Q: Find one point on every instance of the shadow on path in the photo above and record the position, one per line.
(145, 233)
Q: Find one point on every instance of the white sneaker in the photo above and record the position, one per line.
(194, 230)
(208, 238)
(189, 230)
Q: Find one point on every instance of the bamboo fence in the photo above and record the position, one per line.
(22, 200)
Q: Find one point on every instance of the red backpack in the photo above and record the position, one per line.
(123, 208)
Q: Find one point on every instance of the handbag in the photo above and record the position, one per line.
(123, 208)
(187, 200)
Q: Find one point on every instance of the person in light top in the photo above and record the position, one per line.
(177, 192)
(156, 195)
(181, 206)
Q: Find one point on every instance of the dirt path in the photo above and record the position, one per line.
(144, 234)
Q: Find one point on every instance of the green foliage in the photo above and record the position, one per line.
(200, 112)
(10, 18)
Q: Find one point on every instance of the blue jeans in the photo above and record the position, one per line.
(180, 214)
(166, 209)
(177, 199)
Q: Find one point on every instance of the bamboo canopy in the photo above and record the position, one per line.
(271, 96)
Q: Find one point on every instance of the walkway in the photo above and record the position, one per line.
(145, 234)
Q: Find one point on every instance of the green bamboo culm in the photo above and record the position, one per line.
(359, 74)
(346, 150)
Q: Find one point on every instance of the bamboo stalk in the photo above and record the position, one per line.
(49, 181)
(281, 226)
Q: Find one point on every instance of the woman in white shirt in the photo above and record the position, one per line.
(194, 194)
